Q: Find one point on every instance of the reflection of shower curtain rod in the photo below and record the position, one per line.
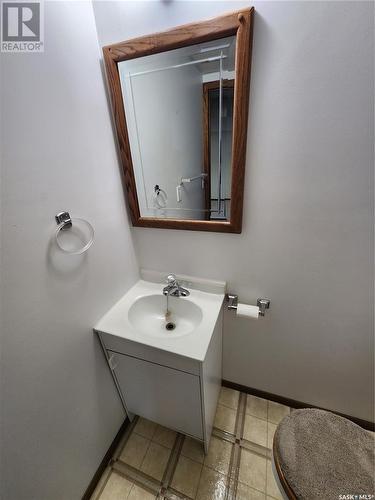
(217, 47)
(198, 61)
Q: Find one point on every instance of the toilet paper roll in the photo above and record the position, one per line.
(248, 311)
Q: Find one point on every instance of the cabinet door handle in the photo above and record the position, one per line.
(112, 362)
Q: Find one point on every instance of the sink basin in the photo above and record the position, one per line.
(139, 317)
(148, 316)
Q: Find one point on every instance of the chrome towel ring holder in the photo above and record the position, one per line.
(70, 231)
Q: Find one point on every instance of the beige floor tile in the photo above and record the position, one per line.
(218, 457)
(255, 430)
(253, 470)
(246, 493)
(145, 428)
(138, 493)
(116, 488)
(165, 437)
(272, 488)
(256, 406)
(276, 412)
(155, 461)
(193, 449)
(225, 419)
(135, 450)
(212, 485)
(186, 476)
(271, 428)
(229, 397)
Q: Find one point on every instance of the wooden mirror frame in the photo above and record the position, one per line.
(240, 24)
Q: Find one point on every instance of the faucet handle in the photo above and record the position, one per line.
(171, 278)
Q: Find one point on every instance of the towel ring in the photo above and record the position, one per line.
(160, 197)
(72, 230)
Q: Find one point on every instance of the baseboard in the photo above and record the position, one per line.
(106, 460)
(370, 426)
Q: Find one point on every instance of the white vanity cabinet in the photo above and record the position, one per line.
(165, 395)
(170, 377)
(175, 391)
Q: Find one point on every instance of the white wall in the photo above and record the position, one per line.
(60, 407)
(1, 315)
(307, 233)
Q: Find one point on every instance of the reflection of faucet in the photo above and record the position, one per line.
(173, 288)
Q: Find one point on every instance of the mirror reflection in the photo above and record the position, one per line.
(179, 111)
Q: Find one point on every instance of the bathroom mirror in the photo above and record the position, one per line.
(180, 106)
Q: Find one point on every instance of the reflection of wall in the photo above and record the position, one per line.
(168, 113)
(306, 239)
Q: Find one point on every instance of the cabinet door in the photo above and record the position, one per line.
(164, 395)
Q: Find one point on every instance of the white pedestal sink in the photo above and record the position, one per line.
(170, 376)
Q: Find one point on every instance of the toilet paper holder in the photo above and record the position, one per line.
(232, 300)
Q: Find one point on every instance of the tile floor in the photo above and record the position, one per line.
(153, 462)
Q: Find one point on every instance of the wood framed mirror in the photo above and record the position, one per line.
(180, 103)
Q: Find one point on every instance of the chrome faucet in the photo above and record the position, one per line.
(173, 288)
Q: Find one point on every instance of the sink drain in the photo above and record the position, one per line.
(170, 326)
